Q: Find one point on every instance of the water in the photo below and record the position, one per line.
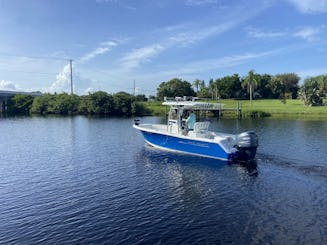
(92, 180)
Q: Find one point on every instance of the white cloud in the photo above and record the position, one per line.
(184, 35)
(197, 68)
(62, 83)
(81, 84)
(191, 37)
(8, 85)
(308, 33)
(200, 2)
(104, 48)
(310, 6)
(188, 35)
(257, 33)
(227, 61)
(141, 56)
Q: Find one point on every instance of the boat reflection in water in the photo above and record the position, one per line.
(153, 156)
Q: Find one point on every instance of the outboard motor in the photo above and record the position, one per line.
(247, 144)
(136, 122)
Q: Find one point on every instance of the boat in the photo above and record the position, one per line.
(179, 136)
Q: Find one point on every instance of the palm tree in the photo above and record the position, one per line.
(212, 87)
(251, 83)
(196, 84)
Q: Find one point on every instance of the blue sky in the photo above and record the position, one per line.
(114, 42)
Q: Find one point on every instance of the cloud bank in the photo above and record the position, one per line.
(8, 85)
(310, 6)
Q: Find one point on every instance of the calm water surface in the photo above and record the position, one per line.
(92, 180)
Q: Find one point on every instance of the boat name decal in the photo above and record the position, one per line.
(193, 143)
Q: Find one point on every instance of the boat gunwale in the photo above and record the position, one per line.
(228, 151)
(186, 152)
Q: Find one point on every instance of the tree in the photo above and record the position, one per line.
(285, 86)
(139, 109)
(173, 88)
(250, 82)
(123, 104)
(63, 104)
(41, 104)
(204, 91)
(212, 88)
(140, 97)
(20, 104)
(278, 88)
(98, 102)
(228, 86)
(196, 84)
(263, 86)
(313, 90)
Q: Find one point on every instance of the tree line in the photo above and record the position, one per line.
(97, 103)
(254, 85)
(264, 86)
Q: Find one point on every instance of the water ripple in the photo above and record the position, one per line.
(78, 181)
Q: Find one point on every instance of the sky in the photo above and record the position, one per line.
(114, 44)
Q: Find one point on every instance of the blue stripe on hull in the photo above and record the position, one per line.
(201, 148)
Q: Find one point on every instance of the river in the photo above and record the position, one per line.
(79, 180)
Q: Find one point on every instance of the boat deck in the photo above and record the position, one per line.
(197, 133)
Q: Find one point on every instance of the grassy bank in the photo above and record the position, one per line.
(261, 108)
(275, 108)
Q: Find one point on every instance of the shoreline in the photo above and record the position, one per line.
(272, 108)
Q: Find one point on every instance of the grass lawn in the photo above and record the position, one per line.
(275, 108)
(261, 108)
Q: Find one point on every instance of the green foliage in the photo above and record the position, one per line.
(100, 103)
(19, 104)
(251, 83)
(140, 109)
(173, 88)
(196, 84)
(41, 104)
(123, 104)
(228, 86)
(263, 89)
(212, 88)
(285, 86)
(97, 103)
(64, 104)
(204, 93)
(140, 97)
(313, 90)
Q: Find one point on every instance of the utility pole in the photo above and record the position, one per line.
(134, 89)
(71, 76)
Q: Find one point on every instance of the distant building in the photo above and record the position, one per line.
(5, 95)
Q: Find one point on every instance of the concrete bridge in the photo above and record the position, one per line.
(5, 95)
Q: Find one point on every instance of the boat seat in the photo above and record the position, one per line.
(199, 126)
